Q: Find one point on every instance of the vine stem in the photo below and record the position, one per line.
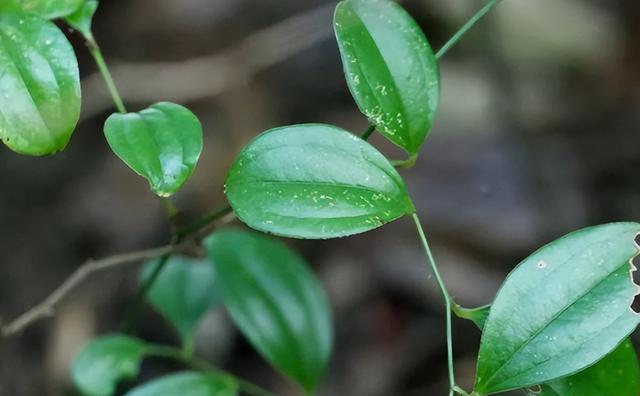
(205, 220)
(94, 49)
(202, 365)
(178, 236)
(466, 27)
(368, 132)
(445, 295)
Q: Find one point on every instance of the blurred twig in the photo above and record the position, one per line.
(48, 306)
(210, 75)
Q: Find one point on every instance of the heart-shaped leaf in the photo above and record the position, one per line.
(82, 19)
(49, 9)
(161, 143)
(39, 85)
(617, 374)
(562, 309)
(275, 301)
(390, 69)
(104, 362)
(183, 292)
(315, 181)
(188, 384)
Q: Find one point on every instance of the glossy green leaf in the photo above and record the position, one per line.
(390, 69)
(562, 309)
(49, 9)
(276, 302)
(161, 143)
(82, 19)
(183, 292)
(39, 85)
(617, 374)
(188, 384)
(315, 181)
(104, 362)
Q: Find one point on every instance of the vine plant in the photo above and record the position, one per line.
(559, 324)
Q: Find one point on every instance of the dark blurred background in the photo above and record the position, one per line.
(537, 135)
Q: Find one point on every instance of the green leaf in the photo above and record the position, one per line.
(315, 181)
(39, 85)
(183, 292)
(276, 302)
(617, 374)
(161, 143)
(562, 309)
(48, 9)
(104, 362)
(390, 69)
(82, 19)
(188, 384)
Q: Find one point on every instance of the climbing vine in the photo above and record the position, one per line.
(559, 324)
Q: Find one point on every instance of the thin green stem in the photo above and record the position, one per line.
(205, 221)
(200, 364)
(445, 295)
(94, 49)
(468, 313)
(368, 132)
(466, 27)
(171, 213)
(134, 309)
(460, 391)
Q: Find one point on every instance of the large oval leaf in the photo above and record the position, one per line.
(562, 309)
(617, 374)
(188, 384)
(161, 143)
(390, 69)
(50, 9)
(104, 362)
(275, 301)
(315, 181)
(39, 85)
(183, 292)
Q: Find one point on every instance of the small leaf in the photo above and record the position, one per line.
(276, 302)
(161, 143)
(562, 309)
(104, 362)
(183, 292)
(48, 9)
(617, 374)
(82, 19)
(39, 85)
(188, 384)
(390, 69)
(315, 181)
